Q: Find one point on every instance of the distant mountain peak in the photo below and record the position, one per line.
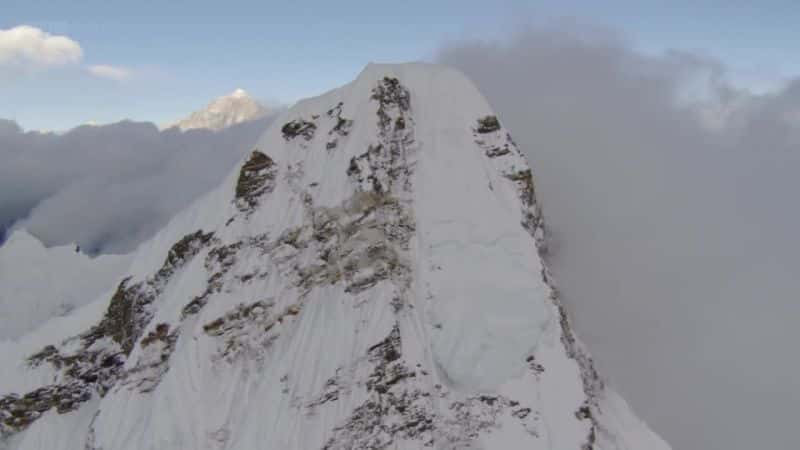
(239, 93)
(222, 112)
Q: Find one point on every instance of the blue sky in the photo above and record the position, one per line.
(181, 54)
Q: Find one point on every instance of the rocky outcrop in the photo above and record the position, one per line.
(256, 178)
(488, 124)
(298, 128)
(96, 366)
(18, 412)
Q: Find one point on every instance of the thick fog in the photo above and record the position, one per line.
(670, 198)
(110, 187)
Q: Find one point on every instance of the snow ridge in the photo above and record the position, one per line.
(371, 276)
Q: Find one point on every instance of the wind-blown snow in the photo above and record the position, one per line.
(369, 278)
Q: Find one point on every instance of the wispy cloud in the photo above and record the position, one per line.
(25, 46)
(115, 73)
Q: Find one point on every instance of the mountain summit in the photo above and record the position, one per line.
(236, 107)
(369, 277)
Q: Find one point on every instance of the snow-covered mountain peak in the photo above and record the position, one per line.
(239, 93)
(231, 109)
(370, 276)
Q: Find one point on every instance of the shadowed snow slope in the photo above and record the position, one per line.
(369, 277)
(38, 283)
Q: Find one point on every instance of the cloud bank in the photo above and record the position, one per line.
(670, 200)
(26, 45)
(110, 187)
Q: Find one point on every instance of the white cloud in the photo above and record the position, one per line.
(27, 46)
(111, 72)
(662, 227)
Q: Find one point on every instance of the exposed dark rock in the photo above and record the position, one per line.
(524, 180)
(342, 127)
(223, 256)
(82, 375)
(358, 242)
(298, 127)
(256, 178)
(590, 439)
(592, 383)
(385, 165)
(128, 312)
(532, 219)
(242, 313)
(533, 365)
(488, 124)
(395, 410)
(521, 413)
(388, 349)
(153, 363)
(161, 333)
(496, 152)
(126, 315)
(249, 328)
(584, 412)
(182, 251)
(330, 393)
(96, 366)
(390, 92)
(17, 413)
(48, 353)
(213, 285)
(219, 261)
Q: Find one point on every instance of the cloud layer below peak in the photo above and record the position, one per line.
(110, 187)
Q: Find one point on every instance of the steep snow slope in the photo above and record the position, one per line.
(38, 283)
(368, 278)
(236, 107)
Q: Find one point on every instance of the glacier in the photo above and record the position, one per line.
(371, 276)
